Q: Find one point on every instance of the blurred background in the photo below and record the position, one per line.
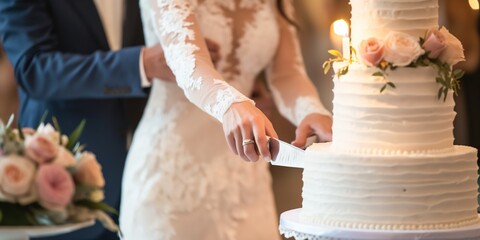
(316, 18)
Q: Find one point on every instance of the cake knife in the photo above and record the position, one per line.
(286, 155)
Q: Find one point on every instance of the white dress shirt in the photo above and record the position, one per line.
(111, 13)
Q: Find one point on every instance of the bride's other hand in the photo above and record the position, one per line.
(243, 122)
(313, 124)
(156, 66)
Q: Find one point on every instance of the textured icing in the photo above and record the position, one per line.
(375, 18)
(427, 191)
(409, 118)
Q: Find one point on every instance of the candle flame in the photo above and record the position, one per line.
(473, 4)
(340, 27)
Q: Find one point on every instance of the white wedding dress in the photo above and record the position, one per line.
(181, 181)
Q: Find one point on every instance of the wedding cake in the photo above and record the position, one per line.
(392, 163)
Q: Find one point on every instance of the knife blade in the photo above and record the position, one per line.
(285, 154)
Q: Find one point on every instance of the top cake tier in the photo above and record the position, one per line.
(375, 18)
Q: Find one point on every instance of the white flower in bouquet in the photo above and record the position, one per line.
(55, 187)
(49, 131)
(64, 158)
(16, 179)
(401, 49)
(88, 171)
(453, 53)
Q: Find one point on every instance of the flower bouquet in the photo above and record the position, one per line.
(47, 179)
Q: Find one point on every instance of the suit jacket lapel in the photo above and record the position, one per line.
(132, 24)
(87, 11)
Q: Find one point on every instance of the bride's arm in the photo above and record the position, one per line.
(293, 92)
(176, 27)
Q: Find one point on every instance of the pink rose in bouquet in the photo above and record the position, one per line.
(16, 178)
(89, 171)
(40, 148)
(64, 158)
(371, 51)
(453, 52)
(434, 43)
(401, 49)
(55, 186)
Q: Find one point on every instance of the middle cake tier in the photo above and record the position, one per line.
(406, 119)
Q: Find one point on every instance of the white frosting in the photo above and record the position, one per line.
(412, 191)
(409, 118)
(375, 18)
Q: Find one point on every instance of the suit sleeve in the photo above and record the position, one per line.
(44, 72)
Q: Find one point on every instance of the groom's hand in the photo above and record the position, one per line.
(155, 64)
(313, 124)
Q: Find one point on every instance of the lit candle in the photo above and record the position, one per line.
(341, 28)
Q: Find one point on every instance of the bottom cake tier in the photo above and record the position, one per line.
(411, 191)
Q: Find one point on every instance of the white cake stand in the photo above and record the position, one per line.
(292, 226)
(24, 233)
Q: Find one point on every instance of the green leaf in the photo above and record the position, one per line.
(75, 135)
(354, 52)
(20, 132)
(10, 121)
(327, 67)
(55, 124)
(57, 127)
(43, 118)
(98, 206)
(383, 88)
(343, 70)
(439, 95)
(458, 73)
(14, 215)
(335, 53)
(378, 74)
(445, 92)
(391, 84)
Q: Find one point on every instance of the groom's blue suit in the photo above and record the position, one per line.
(63, 64)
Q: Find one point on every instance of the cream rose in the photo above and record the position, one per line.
(453, 53)
(401, 49)
(64, 158)
(371, 52)
(434, 43)
(16, 177)
(89, 171)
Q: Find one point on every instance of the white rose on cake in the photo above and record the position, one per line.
(453, 53)
(401, 49)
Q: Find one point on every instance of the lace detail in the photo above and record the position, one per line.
(288, 233)
(306, 105)
(179, 170)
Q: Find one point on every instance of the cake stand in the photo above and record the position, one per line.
(292, 226)
(24, 233)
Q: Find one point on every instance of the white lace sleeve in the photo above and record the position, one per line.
(293, 92)
(184, 47)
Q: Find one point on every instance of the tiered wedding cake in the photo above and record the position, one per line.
(392, 163)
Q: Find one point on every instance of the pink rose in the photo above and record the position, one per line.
(39, 148)
(64, 158)
(401, 49)
(434, 43)
(55, 186)
(16, 177)
(453, 53)
(89, 171)
(371, 51)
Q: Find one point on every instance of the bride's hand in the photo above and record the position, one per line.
(313, 124)
(243, 122)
